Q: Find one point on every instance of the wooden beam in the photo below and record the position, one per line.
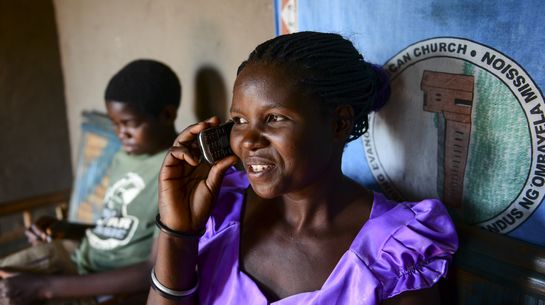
(500, 260)
(35, 202)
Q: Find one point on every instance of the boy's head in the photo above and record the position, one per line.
(142, 100)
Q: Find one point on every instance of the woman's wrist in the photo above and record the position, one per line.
(173, 294)
(189, 234)
(170, 269)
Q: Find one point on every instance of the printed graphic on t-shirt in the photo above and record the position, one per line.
(116, 227)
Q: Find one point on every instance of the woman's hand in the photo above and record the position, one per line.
(187, 187)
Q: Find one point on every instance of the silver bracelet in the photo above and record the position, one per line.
(167, 292)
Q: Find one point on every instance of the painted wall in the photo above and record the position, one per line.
(34, 147)
(200, 40)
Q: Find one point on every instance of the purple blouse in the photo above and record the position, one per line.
(403, 246)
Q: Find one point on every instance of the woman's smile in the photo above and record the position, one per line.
(260, 168)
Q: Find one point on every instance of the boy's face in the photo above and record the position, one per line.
(138, 133)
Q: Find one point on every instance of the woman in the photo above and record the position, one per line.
(291, 228)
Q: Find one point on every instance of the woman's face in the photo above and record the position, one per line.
(281, 134)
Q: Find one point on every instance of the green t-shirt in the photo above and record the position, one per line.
(125, 232)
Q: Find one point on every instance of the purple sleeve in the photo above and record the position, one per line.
(228, 205)
(417, 251)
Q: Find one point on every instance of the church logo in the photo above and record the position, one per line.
(466, 124)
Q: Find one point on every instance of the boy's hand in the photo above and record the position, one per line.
(188, 188)
(20, 288)
(43, 230)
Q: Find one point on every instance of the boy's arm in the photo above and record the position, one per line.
(27, 288)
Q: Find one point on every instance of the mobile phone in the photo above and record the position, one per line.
(214, 142)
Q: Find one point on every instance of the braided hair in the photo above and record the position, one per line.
(331, 68)
(147, 84)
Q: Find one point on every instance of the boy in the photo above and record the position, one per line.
(114, 256)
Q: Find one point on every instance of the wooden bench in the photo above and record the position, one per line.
(13, 238)
(490, 268)
(82, 203)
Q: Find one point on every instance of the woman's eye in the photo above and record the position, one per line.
(239, 120)
(275, 118)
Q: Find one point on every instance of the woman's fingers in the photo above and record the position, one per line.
(188, 186)
(215, 176)
(185, 147)
(214, 120)
(208, 190)
(178, 155)
(189, 134)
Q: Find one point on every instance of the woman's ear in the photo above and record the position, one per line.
(169, 114)
(344, 121)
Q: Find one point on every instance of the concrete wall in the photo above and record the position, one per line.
(194, 37)
(34, 147)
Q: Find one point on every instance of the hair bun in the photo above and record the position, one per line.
(383, 84)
